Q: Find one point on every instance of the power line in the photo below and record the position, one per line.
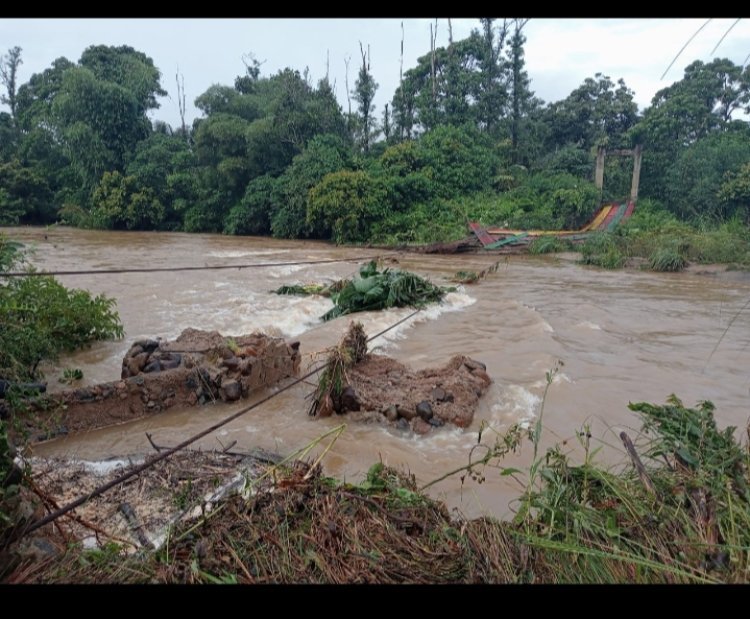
(195, 268)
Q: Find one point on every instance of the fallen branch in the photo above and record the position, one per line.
(645, 479)
(135, 525)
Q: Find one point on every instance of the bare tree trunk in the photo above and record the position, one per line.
(181, 101)
(346, 84)
(401, 68)
(9, 64)
(433, 38)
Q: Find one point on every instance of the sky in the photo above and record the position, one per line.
(560, 53)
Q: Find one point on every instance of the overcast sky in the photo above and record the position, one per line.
(560, 53)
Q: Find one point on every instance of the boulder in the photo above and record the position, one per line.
(424, 410)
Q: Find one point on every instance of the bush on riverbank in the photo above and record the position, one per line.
(42, 318)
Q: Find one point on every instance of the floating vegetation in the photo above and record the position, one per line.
(376, 290)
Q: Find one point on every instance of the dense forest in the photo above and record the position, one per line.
(463, 137)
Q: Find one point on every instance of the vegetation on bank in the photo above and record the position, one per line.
(39, 319)
(675, 510)
(666, 243)
(463, 137)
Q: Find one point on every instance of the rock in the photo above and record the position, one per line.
(169, 361)
(438, 394)
(192, 398)
(230, 391)
(349, 399)
(391, 413)
(436, 422)
(475, 365)
(147, 345)
(449, 397)
(481, 374)
(406, 413)
(232, 363)
(152, 367)
(150, 404)
(226, 353)
(402, 424)
(424, 410)
(135, 364)
(245, 366)
(294, 345)
(420, 426)
(135, 349)
(84, 395)
(38, 549)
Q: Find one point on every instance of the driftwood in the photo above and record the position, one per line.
(126, 509)
(630, 448)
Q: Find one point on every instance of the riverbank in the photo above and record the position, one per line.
(676, 511)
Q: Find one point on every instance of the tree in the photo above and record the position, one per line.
(492, 94)
(323, 155)
(128, 68)
(9, 64)
(598, 112)
(364, 92)
(695, 181)
(734, 193)
(459, 160)
(25, 197)
(119, 203)
(345, 204)
(522, 100)
(702, 103)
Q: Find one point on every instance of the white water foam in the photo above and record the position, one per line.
(559, 377)
(589, 325)
(377, 322)
(517, 405)
(234, 253)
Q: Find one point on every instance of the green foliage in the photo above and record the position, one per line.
(324, 154)
(41, 318)
(374, 290)
(12, 254)
(692, 438)
(694, 182)
(548, 244)
(597, 112)
(603, 250)
(253, 214)
(459, 160)
(8, 485)
(345, 204)
(71, 375)
(118, 203)
(734, 193)
(25, 196)
(667, 259)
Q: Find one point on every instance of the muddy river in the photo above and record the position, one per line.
(622, 336)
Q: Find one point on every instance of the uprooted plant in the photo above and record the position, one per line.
(333, 392)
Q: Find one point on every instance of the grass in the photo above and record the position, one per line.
(603, 249)
(549, 245)
(667, 259)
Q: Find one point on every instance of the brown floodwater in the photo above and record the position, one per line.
(623, 336)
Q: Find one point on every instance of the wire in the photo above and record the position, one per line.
(201, 268)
